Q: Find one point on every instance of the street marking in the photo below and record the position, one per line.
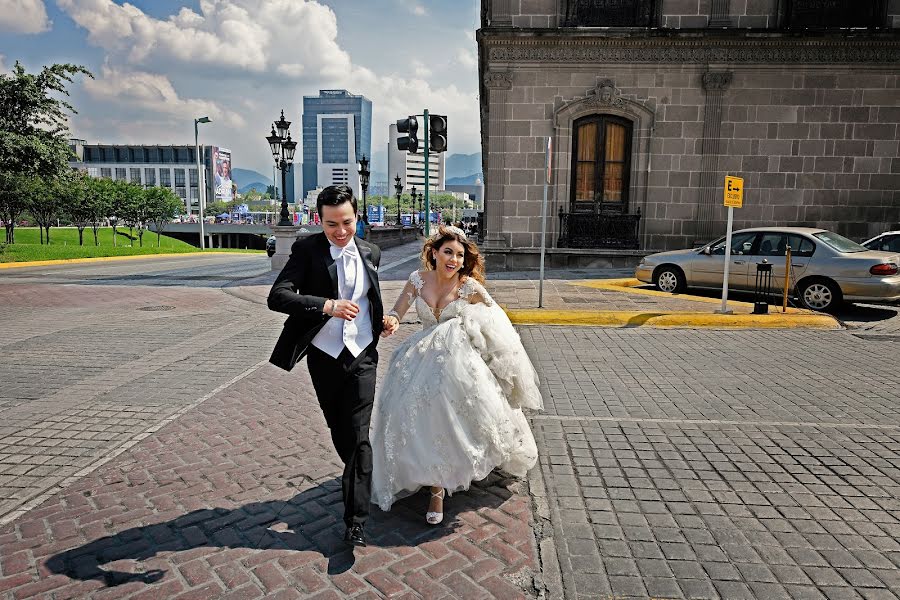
(713, 422)
(112, 453)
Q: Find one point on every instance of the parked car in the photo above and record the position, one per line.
(886, 242)
(826, 268)
(270, 246)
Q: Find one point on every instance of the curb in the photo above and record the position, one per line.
(75, 261)
(627, 319)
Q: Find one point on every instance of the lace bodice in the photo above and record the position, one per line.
(469, 292)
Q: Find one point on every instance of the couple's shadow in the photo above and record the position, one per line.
(310, 521)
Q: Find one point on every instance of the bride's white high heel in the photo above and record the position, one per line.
(435, 518)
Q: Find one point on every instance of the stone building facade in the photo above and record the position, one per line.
(650, 103)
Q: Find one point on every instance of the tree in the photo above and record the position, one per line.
(77, 199)
(131, 207)
(13, 202)
(162, 206)
(270, 191)
(33, 131)
(44, 202)
(101, 193)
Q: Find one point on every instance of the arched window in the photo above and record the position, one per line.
(601, 162)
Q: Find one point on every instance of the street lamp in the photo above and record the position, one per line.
(399, 187)
(283, 148)
(412, 195)
(200, 187)
(364, 181)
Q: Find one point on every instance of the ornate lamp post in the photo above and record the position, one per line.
(412, 195)
(399, 187)
(364, 181)
(283, 149)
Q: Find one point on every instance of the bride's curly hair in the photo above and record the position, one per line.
(473, 261)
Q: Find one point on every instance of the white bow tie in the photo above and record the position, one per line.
(349, 250)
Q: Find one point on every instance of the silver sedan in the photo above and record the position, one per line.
(826, 268)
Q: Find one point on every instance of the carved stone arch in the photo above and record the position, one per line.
(605, 99)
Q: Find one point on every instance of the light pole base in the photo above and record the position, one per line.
(285, 236)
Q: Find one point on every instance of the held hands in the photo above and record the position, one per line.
(342, 309)
(390, 324)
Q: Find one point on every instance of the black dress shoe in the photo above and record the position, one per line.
(355, 535)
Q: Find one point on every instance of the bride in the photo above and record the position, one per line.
(449, 410)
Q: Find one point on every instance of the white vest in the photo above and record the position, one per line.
(338, 333)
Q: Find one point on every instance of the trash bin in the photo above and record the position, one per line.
(763, 288)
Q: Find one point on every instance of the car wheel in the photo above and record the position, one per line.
(670, 279)
(820, 294)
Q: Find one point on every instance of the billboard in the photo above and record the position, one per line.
(221, 163)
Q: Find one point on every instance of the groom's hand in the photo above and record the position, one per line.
(345, 309)
(390, 324)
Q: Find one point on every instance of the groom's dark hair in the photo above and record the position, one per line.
(335, 195)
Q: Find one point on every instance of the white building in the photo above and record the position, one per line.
(411, 167)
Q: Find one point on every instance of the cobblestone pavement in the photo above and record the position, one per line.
(712, 464)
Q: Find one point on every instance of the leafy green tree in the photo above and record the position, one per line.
(33, 131)
(44, 203)
(214, 209)
(13, 201)
(76, 198)
(270, 191)
(130, 209)
(162, 206)
(100, 193)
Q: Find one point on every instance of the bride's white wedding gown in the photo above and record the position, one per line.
(449, 410)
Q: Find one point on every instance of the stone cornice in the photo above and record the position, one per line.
(704, 50)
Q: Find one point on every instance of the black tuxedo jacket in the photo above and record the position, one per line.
(309, 279)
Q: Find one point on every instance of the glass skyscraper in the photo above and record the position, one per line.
(333, 136)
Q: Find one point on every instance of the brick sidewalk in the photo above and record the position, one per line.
(240, 498)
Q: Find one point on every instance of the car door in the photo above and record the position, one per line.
(708, 270)
(772, 249)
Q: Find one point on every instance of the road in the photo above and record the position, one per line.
(136, 403)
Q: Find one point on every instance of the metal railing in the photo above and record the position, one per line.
(599, 230)
(609, 13)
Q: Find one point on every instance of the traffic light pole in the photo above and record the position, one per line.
(427, 169)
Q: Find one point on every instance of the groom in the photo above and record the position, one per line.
(329, 287)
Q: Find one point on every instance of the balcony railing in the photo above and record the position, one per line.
(609, 13)
(830, 14)
(598, 230)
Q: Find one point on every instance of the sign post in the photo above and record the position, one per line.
(548, 158)
(734, 198)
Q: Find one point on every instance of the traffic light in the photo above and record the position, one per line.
(408, 142)
(437, 133)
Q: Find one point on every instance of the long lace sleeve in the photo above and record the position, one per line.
(475, 293)
(407, 296)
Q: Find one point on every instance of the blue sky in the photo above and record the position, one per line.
(159, 63)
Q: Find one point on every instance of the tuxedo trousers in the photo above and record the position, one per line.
(345, 388)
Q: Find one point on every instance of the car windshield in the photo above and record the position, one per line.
(838, 242)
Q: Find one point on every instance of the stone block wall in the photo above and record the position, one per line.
(816, 147)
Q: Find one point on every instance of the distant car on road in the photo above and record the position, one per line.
(270, 246)
(826, 268)
(886, 242)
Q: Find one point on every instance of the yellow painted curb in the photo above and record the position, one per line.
(629, 286)
(75, 261)
(602, 318)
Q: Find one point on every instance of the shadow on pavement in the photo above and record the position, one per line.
(308, 522)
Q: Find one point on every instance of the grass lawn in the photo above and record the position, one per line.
(64, 245)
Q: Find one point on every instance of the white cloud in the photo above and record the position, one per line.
(252, 36)
(240, 62)
(3, 67)
(418, 10)
(23, 16)
(154, 94)
(420, 69)
(467, 57)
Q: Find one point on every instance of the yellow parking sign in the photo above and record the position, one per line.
(734, 191)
